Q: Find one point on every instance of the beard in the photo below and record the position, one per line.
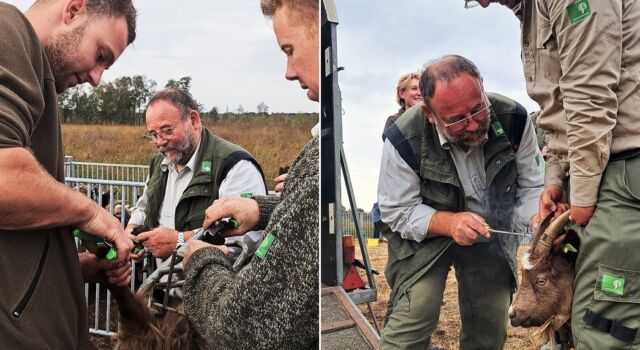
(60, 52)
(467, 139)
(183, 149)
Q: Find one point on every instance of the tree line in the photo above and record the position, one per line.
(123, 101)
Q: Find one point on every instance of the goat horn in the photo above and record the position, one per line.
(545, 241)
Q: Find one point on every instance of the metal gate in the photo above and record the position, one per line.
(114, 187)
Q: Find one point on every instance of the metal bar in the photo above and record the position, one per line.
(508, 232)
(96, 308)
(108, 313)
(373, 317)
(354, 210)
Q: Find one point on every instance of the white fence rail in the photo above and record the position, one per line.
(111, 186)
(105, 171)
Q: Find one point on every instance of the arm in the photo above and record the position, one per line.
(41, 205)
(273, 302)
(530, 164)
(137, 215)
(399, 197)
(402, 209)
(243, 177)
(590, 54)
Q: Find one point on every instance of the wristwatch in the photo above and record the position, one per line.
(180, 239)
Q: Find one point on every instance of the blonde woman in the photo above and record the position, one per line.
(407, 95)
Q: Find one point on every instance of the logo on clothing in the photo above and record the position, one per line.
(263, 249)
(579, 10)
(206, 166)
(612, 284)
(497, 128)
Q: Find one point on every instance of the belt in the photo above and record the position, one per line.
(628, 154)
(616, 329)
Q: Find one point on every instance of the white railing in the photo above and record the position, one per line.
(110, 185)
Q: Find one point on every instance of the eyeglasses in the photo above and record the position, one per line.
(461, 124)
(164, 133)
(470, 3)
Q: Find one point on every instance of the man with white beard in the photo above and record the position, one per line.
(194, 168)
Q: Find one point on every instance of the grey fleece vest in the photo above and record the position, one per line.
(215, 158)
(416, 140)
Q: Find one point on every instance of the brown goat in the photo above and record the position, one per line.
(142, 328)
(545, 293)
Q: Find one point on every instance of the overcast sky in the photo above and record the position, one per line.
(380, 40)
(227, 47)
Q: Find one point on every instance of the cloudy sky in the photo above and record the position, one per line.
(227, 47)
(380, 40)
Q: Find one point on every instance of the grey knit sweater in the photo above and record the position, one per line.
(272, 303)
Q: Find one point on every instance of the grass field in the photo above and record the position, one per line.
(273, 142)
(448, 330)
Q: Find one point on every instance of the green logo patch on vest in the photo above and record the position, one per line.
(497, 128)
(579, 10)
(537, 157)
(206, 166)
(612, 284)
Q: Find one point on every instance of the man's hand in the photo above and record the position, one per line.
(244, 210)
(142, 253)
(118, 273)
(279, 181)
(466, 227)
(161, 241)
(106, 226)
(553, 198)
(194, 245)
(581, 215)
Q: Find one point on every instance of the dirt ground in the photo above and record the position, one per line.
(448, 330)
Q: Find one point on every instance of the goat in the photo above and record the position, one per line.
(545, 294)
(142, 328)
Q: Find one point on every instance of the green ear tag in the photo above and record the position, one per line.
(569, 248)
(612, 284)
(263, 249)
(206, 166)
(497, 128)
(579, 10)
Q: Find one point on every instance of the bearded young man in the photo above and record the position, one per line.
(453, 166)
(56, 45)
(194, 168)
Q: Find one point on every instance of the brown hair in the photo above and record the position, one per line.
(303, 11)
(403, 85)
(180, 99)
(117, 9)
(112, 8)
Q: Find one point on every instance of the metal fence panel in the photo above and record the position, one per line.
(112, 195)
(349, 227)
(105, 171)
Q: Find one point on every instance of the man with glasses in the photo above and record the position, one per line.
(461, 162)
(194, 168)
(582, 65)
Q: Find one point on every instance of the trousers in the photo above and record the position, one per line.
(484, 295)
(607, 280)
